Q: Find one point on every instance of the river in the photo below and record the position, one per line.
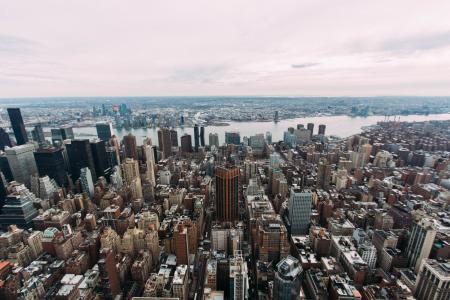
(341, 126)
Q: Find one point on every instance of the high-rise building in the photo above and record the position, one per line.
(323, 174)
(322, 128)
(214, 139)
(196, 137)
(181, 239)
(38, 134)
(233, 138)
(174, 138)
(130, 170)
(269, 137)
(180, 282)
(80, 155)
(227, 193)
(129, 142)
(109, 275)
(18, 126)
(22, 163)
(104, 131)
(150, 164)
(310, 127)
(202, 136)
(299, 210)
(19, 210)
(165, 142)
(286, 284)
(4, 139)
(420, 242)
(433, 280)
(67, 133)
(50, 162)
(186, 143)
(238, 277)
(100, 157)
(87, 185)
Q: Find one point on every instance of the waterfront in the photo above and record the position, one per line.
(341, 126)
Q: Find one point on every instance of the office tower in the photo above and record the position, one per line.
(269, 137)
(50, 162)
(5, 168)
(299, 210)
(80, 155)
(323, 174)
(87, 185)
(129, 142)
(202, 136)
(18, 210)
(258, 144)
(22, 163)
(18, 126)
(186, 143)
(286, 284)
(310, 127)
(173, 138)
(100, 157)
(233, 138)
(130, 170)
(165, 143)
(3, 192)
(238, 277)
(227, 193)
(4, 139)
(104, 131)
(322, 129)
(38, 134)
(275, 116)
(214, 140)
(196, 137)
(43, 187)
(368, 253)
(433, 280)
(150, 164)
(56, 136)
(420, 243)
(181, 239)
(109, 275)
(67, 133)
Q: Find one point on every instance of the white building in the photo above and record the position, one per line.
(22, 163)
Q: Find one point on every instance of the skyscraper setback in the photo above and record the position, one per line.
(18, 126)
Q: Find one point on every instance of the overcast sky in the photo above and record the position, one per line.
(187, 47)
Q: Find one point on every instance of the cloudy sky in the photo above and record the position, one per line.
(252, 47)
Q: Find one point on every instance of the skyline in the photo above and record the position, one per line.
(312, 49)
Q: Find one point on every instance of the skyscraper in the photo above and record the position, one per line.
(80, 155)
(174, 138)
(109, 275)
(286, 283)
(87, 185)
(299, 210)
(227, 193)
(196, 137)
(186, 143)
(323, 174)
(18, 210)
(165, 142)
(238, 277)
(50, 161)
(310, 127)
(214, 139)
(22, 163)
(38, 134)
(322, 129)
(100, 157)
(232, 138)
(104, 131)
(4, 139)
(129, 142)
(150, 162)
(202, 136)
(420, 242)
(18, 126)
